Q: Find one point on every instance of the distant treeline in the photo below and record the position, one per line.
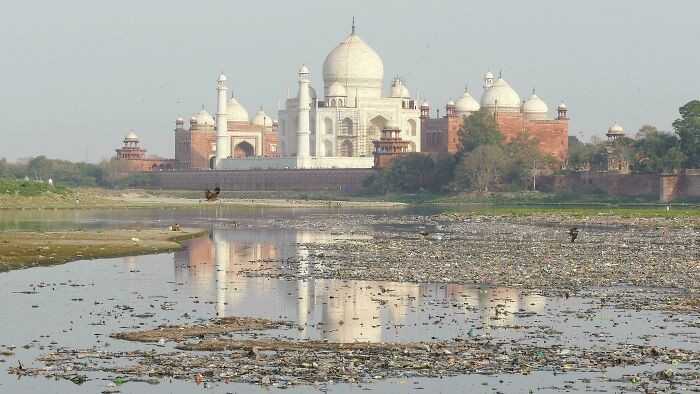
(68, 173)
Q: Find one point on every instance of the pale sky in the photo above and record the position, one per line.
(78, 75)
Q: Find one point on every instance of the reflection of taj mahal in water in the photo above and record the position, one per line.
(338, 310)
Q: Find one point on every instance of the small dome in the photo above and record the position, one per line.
(501, 96)
(261, 119)
(337, 90)
(451, 103)
(535, 105)
(405, 93)
(562, 106)
(222, 77)
(235, 112)
(304, 69)
(425, 104)
(179, 120)
(467, 104)
(131, 136)
(203, 118)
(616, 129)
(488, 75)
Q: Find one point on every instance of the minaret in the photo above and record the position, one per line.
(303, 129)
(223, 143)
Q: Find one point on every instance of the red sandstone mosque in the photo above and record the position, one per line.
(513, 116)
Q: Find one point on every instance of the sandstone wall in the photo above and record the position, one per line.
(345, 180)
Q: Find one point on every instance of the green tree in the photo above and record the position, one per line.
(410, 173)
(656, 151)
(479, 169)
(523, 155)
(479, 129)
(688, 129)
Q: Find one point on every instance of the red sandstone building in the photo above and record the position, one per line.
(195, 148)
(134, 158)
(390, 146)
(514, 118)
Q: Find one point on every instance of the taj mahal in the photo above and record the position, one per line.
(344, 127)
(337, 129)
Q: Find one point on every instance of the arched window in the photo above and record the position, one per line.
(333, 103)
(243, 150)
(327, 148)
(412, 127)
(347, 127)
(346, 149)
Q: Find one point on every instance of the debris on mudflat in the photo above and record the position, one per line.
(280, 362)
(213, 327)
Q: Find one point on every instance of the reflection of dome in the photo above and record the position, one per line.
(355, 65)
(261, 119)
(535, 107)
(131, 137)
(203, 118)
(336, 90)
(616, 129)
(466, 104)
(501, 96)
(235, 112)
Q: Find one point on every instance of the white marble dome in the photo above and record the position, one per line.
(396, 88)
(535, 105)
(131, 136)
(261, 119)
(501, 96)
(355, 65)
(405, 93)
(616, 129)
(466, 104)
(235, 111)
(203, 118)
(337, 90)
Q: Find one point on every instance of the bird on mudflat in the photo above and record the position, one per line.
(573, 233)
(212, 196)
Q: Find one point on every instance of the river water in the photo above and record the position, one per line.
(79, 304)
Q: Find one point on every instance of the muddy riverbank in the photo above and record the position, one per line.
(23, 249)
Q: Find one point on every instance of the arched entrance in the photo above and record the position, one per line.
(212, 162)
(243, 150)
(346, 149)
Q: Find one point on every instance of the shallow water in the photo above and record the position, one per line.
(79, 304)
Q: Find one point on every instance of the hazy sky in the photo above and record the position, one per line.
(77, 75)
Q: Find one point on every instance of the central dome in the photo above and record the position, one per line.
(501, 97)
(356, 66)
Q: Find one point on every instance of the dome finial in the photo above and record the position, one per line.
(353, 26)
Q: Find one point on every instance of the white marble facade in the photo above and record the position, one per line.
(353, 109)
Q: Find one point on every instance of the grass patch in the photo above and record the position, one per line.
(23, 249)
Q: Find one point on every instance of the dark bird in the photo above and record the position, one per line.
(573, 233)
(212, 196)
